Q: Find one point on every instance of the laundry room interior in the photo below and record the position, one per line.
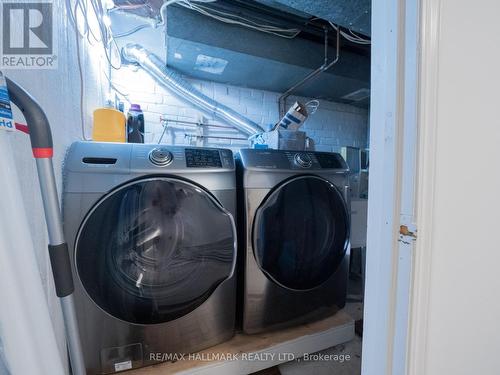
(212, 160)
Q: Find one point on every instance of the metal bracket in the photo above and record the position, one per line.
(324, 67)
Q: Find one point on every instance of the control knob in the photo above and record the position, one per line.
(303, 160)
(161, 157)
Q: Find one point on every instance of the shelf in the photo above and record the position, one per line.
(244, 354)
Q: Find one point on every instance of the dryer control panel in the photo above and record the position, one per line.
(292, 160)
(302, 160)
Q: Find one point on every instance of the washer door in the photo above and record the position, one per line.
(301, 232)
(155, 249)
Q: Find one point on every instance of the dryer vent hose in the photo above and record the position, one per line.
(174, 82)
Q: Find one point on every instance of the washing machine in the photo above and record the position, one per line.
(152, 240)
(294, 237)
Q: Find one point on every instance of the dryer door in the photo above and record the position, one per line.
(155, 249)
(301, 232)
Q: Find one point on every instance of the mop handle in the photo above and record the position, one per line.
(42, 146)
(39, 128)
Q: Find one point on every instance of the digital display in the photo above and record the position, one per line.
(203, 158)
(328, 161)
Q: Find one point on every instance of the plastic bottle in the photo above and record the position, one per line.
(109, 125)
(135, 124)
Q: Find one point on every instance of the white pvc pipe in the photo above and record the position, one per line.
(27, 335)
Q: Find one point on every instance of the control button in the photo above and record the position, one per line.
(303, 160)
(161, 157)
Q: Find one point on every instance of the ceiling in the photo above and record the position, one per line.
(352, 14)
(204, 48)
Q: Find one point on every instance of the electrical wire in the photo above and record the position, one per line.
(213, 13)
(80, 14)
(118, 90)
(356, 35)
(130, 32)
(241, 21)
(91, 32)
(352, 38)
(164, 6)
(312, 106)
(225, 17)
(162, 18)
(129, 7)
(165, 126)
(73, 16)
(270, 27)
(110, 57)
(80, 71)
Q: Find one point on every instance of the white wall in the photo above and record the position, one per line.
(58, 92)
(334, 124)
(456, 304)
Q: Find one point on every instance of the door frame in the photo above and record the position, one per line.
(427, 113)
(392, 185)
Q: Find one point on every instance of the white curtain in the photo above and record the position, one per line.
(28, 343)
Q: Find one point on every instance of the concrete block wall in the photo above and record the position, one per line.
(333, 125)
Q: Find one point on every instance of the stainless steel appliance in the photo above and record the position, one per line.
(294, 237)
(153, 246)
(358, 162)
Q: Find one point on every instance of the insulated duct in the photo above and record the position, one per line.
(174, 82)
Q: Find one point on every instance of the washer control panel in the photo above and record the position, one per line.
(196, 158)
(161, 156)
(146, 158)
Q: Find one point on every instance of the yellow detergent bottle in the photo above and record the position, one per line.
(109, 125)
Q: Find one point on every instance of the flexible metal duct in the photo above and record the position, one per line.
(175, 83)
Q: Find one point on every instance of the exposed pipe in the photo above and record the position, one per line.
(189, 123)
(193, 123)
(174, 82)
(324, 67)
(186, 135)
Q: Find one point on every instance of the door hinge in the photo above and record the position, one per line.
(404, 231)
